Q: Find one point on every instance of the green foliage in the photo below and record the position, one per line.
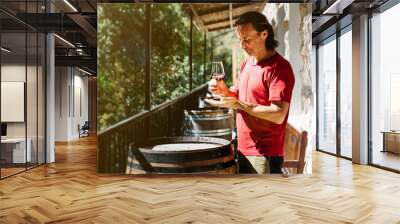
(198, 57)
(121, 39)
(222, 42)
(170, 52)
(121, 58)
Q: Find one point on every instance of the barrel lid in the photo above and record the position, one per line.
(208, 111)
(183, 146)
(166, 144)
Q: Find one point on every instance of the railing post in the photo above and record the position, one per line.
(148, 67)
(148, 58)
(191, 54)
(212, 49)
(204, 57)
(114, 141)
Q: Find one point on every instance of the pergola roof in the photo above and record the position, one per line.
(213, 17)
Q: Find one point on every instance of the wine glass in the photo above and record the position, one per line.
(217, 70)
(217, 74)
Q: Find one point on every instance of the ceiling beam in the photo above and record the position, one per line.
(49, 22)
(320, 22)
(65, 6)
(219, 28)
(337, 7)
(197, 19)
(222, 7)
(225, 23)
(235, 11)
(82, 61)
(85, 25)
(91, 5)
(221, 20)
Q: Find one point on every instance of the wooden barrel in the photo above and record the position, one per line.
(209, 122)
(182, 155)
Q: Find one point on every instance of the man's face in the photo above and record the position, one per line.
(251, 41)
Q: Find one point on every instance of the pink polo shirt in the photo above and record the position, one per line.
(261, 83)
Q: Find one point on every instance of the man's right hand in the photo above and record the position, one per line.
(218, 87)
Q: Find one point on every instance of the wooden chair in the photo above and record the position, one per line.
(295, 149)
(83, 130)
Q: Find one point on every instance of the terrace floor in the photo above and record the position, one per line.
(70, 191)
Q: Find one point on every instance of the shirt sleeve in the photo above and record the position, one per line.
(235, 88)
(281, 85)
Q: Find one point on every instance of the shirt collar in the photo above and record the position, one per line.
(264, 61)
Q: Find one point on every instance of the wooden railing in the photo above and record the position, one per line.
(163, 120)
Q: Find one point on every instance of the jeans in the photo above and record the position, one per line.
(260, 164)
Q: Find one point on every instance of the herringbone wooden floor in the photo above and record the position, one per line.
(70, 191)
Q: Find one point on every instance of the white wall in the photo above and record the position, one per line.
(33, 127)
(61, 103)
(71, 102)
(81, 84)
(292, 29)
(12, 73)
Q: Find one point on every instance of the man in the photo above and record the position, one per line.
(261, 95)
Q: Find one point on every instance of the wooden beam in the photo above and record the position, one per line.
(236, 9)
(219, 26)
(197, 19)
(225, 15)
(223, 7)
(220, 20)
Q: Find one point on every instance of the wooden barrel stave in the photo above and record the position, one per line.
(218, 159)
(209, 123)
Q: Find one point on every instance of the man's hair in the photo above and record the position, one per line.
(260, 24)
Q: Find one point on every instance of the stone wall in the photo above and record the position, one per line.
(293, 30)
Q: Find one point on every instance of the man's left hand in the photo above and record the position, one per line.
(225, 102)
